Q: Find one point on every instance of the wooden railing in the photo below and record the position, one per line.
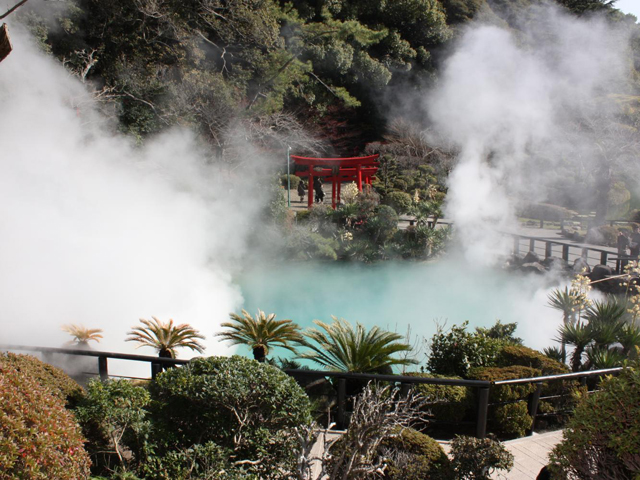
(404, 382)
(568, 251)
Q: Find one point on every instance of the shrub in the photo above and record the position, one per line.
(293, 179)
(511, 419)
(399, 201)
(477, 459)
(382, 224)
(603, 235)
(527, 357)
(547, 212)
(55, 380)
(412, 455)
(113, 417)
(456, 351)
(602, 440)
(39, 438)
(449, 402)
(236, 403)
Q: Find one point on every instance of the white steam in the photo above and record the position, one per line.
(97, 232)
(504, 101)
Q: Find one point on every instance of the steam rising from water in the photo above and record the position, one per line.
(97, 232)
(507, 102)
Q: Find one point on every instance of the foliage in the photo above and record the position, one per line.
(512, 418)
(546, 212)
(450, 402)
(113, 416)
(294, 180)
(603, 235)
(412, 455)
(399, 201)
(166, 338)
(477, 459)
(527, 357)
(208, 461)
(456, 351)
(261, 333)
(39, 438)
(57, 383)
(602, 440)
(82, 335)
(379, 414)
(239, 404)
(350, 349)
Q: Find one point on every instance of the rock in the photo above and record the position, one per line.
(533, 267)
(555, 263)
(580, 264)
(531, 257)
(600, 272)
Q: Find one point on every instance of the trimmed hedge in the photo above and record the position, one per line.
(528, 357)
(602, 440)
(547, 212)
(293, 179)
(39, 437)
(445, 402)
(511, 419)
(235, 402)
(55, 380)
(412, 455)
(399, 201)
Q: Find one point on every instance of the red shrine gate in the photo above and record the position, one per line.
(337, 170)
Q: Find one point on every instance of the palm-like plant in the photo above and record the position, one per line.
(345, 348)
(579, 336)
(629, 338)
(165, 337)
(82, 335)
(570, 304)
(261, 333)
(604, 357)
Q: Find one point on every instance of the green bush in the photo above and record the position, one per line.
(382, 225)
(208, 461)
(444, 402)
(602, 440)
(528, 357)
(39, 438)
(294, 179)
(114, 419)
(603, 235)
(55, 380)
(456, 351)
(235, 402)
(511, 419)
(478, 458)
(400, 201)
(412, 455)
(547, 212)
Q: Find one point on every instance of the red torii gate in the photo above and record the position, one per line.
(338, 170)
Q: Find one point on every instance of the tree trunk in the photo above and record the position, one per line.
(260, 353)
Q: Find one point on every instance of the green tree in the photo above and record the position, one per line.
(345, 348)
(261, 333)
(165, 337)
(82, 335)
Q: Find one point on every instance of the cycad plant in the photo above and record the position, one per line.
(345, 348)
(261, 333)
(82, 335)
(570, 303)
(165, 337)
(578, 335)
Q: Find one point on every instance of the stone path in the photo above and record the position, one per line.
(530, 455)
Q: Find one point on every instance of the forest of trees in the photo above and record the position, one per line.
(315, 74)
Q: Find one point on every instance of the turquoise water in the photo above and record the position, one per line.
(395, 295)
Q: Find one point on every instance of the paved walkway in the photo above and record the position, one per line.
(530, 455)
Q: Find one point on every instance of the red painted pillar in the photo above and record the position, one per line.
(333, 192)
(310, 189)
(339, 182)
(359, 173)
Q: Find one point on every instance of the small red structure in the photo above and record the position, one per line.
(338, 170)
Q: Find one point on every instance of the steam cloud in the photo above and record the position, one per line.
(507, 101)
(98, 232)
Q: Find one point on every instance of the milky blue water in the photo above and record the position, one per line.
(396, 295)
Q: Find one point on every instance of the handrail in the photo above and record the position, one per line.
(483, 386)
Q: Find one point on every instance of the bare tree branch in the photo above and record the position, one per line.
(12, 9)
